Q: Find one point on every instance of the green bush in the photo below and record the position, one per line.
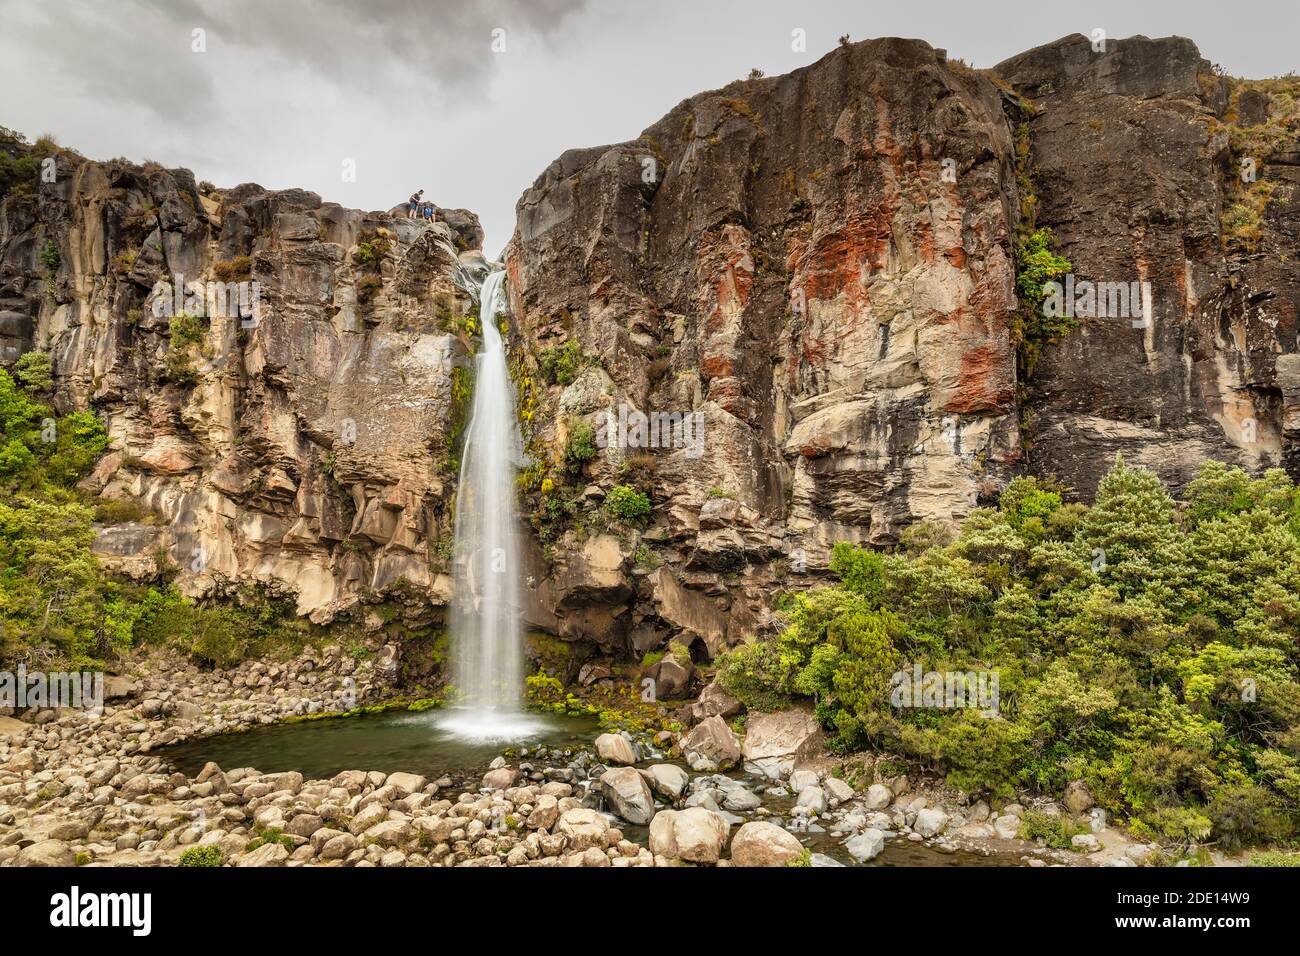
(1124, 637)
(36, 371)
(1037, 265)
(1275, 858)
(1055, 831)
(207, 855)
(50, 257)
(560, 364)
(270, 835)
(581, 445)
(624, 503)
(184, 333)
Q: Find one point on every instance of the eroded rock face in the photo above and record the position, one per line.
(820, 267)
(1130, 153)
(304, 446)
(811, 276)
(787, 258)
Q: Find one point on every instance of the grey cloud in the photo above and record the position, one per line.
(140, 51)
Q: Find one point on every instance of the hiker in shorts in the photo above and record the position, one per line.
(413, 207)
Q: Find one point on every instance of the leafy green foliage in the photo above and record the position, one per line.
(1149, 649)
(185, 333)
(50, 257)
(1055, 831)
(560, 364)
(624, 503)
(248, 624)
(56, 604)
(581, 445)
(207, 855)
(20, 164)
(1037, 265)
(35, 370)
(462, 400)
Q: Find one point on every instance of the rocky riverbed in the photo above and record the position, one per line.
(84, 789)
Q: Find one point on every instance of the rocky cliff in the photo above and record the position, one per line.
(823, 264)
(300, 441)
(809, 280)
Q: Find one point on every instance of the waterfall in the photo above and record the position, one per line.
(486, 634)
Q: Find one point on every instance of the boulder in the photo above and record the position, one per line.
(814, 798)
(758, 843)
(837, 790)
(406, 783)
(740, 800)
(671, 679)
(583, 827)
(502, 778)
(628, 794)
(1078, 798)
(667, 779)
(878, 797)
(268, 854)
(801, 780)
(46, 853)
(775, 743)
(546, 810)
(930, 822)
(711, 745)
(117, 687)
(695, 834)
(714, 701)
(867, 845)
(1086, 842)
(615, 748)
(388, 833)
(1007, 826)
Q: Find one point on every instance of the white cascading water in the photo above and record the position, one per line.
(486, 635)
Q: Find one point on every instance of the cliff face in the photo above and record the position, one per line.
(303, 446)
(822, 264)
(1133, 158)
(818, 267)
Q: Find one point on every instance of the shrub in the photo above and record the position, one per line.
(560, 364)
(860, 570)
(237, 269)
(207, 855)
(1275, 858)
(36, 371)
(1247, 815)
(184, 333)
(1036, 266)
(270, 835)
(624, 503)
(50, 257)
(1054, 830)
(581, 445)
(1127, 672)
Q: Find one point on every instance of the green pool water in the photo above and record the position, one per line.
(418, 743)
(399, 740)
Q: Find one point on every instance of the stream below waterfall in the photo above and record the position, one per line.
(418, 743)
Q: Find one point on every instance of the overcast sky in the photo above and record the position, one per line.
(414, 93)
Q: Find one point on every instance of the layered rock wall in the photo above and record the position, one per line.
(811, 278)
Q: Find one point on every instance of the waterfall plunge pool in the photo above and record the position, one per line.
(426, 743)
(422, 743)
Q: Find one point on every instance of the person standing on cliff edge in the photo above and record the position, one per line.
(413, 206)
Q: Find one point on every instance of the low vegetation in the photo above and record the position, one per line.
(57, 605)
(561, 364)
(1147, 649)
(624, 503)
